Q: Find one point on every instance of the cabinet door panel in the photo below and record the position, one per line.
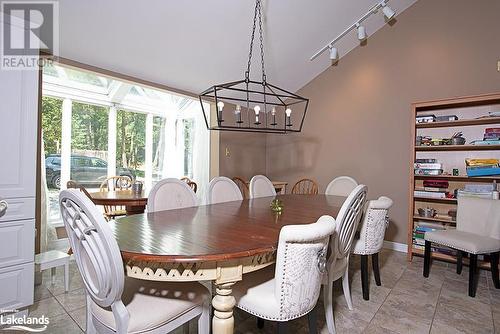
(18, 132)
(17, 242)
(19, 209)
(16, 286)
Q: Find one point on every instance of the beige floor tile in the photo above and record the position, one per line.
(463, 313)
(49, 307)
(394, 319)
(79, 316)
(72, 300)
(41, 292)
(63, 324)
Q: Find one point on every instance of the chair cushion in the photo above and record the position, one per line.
(153, 304)
(464, 241)
(255, 294)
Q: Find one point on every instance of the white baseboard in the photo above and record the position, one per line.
(396, 246)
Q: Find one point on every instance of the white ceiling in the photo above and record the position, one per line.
(193, 44)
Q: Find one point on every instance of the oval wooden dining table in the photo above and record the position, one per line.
(134, 203)
(219, 242)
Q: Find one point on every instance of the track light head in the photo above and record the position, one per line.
(361, 32)
(388, 12)
(334, 54)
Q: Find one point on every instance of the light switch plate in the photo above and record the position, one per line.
(498, 66)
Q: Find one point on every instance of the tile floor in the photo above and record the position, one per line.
(405, 303)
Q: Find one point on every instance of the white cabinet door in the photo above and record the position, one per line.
(16, 284)
(18, 132)
(17, 242)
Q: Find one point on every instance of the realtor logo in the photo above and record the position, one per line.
(28, 28)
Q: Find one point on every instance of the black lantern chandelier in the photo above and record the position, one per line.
(253, 106)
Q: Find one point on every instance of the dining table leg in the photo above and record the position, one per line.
(223, 303)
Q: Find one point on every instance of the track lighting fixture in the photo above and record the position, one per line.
(361, 32)
(334, 54)
(388, 12)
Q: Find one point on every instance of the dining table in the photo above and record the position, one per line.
(134, 203)
(217, 242)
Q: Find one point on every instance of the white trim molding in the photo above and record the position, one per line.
(396, 246)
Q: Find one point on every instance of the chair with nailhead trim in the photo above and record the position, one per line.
(371, 239)
(291, 289)
(477, 232)
(340, 248)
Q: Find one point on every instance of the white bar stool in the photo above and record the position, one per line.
(53, 259)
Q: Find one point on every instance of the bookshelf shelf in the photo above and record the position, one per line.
(458, 148)
(435, 200)
(461, 178)
(438, 220)
(467, 108)
(460, 122)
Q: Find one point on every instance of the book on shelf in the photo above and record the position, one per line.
(436, 183)
(434, 172)
(433, 189)
(425, 161)
(419, 165)
(429, 194)
(480, 162)
(485, 142)
(465, 193)
(492, 130)
(491, 136)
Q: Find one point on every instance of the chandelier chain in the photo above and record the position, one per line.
(257, 14)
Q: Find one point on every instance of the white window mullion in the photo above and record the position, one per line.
(148, 174)
(112, 141)
(66, 142)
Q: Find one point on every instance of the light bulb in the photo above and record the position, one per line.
(257, 110)
(238, 109)
(273, 111)
(288, 112)
(220, 105)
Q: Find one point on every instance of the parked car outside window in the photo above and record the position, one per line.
(87, 171)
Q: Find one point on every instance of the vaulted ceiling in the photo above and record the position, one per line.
(193, 44)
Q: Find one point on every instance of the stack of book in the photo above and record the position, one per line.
(491, 137)
(419, 233)
(482, 167)
(432, 189)
(477, 190)
(427, 167)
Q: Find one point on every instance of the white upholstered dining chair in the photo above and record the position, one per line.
(115, 303)
(291, 289)
(477, 232)
(340, 248)
(341, 186)
(261, 186)
(170, 194)
(222, 189)
(371, 239)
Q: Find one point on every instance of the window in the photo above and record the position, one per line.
(112, 127)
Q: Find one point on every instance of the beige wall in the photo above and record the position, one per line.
(358, 122)
(247, 154)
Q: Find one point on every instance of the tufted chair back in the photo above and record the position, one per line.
(261, 186)
(341, 186)
(171, 194)
(222, 189)
(373, 226)
(96, 252)
(300, 266)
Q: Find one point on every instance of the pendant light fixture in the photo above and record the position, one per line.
(253, 106)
